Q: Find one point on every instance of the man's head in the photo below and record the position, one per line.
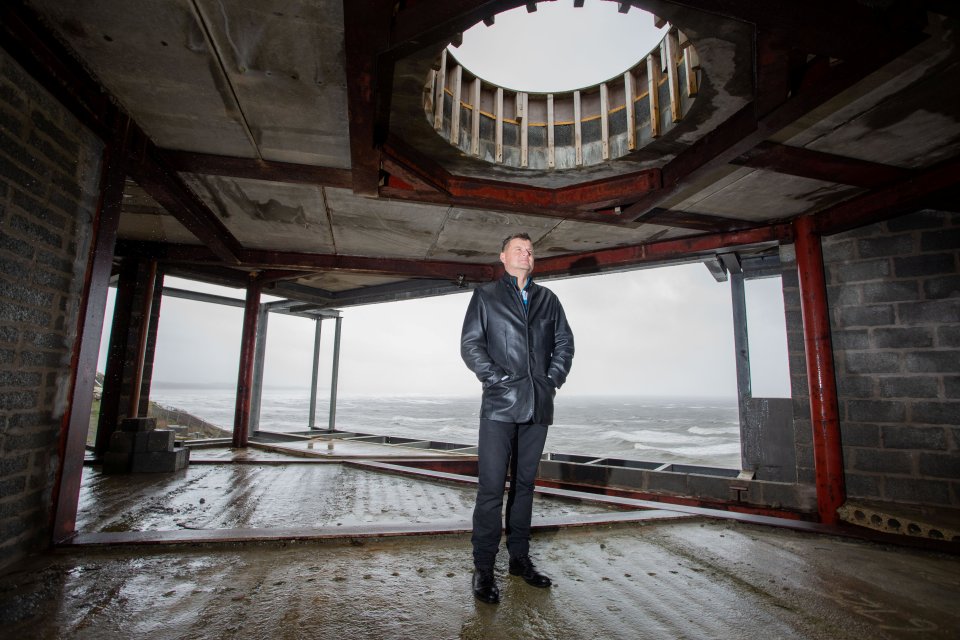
(516, 254)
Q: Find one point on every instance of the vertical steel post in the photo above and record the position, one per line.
(251, 311)
(332, 424)
(741, 344)
(111, 398)
(741, 340)
(93, 303)
(136, 382)
(150, 348)
(256, 395)
(312, 424)
(821, 380)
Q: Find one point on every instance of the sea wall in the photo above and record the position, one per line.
(894, 294)
(49, 175)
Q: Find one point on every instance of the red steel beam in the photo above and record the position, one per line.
(575, 201)
(366, 32)
(279, 260)
(634, 255)
(895, 199)
(83, 364)
(397, 192)
(386, 266)
(608, 192)
(748, 128)
(147, 166)
(821, 380)
(817, 165)
(728, 140)
(254, 169)
(241, 416)
(690, 220)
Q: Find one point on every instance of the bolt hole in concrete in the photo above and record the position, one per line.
(859, 515)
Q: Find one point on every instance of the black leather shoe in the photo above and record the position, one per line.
(485, 586)
(523, 567)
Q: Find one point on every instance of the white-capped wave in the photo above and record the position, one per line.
(660, 437)
(725, 449)
(711, 431)
(403, 419)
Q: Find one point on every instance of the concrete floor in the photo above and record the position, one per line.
(324, 550)
(682, 579)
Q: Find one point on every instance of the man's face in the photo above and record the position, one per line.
(518, 257)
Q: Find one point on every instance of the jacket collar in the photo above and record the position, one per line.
(512, 281)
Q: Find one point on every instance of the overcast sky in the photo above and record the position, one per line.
(558, 47)
(652, 332)
(665, 331)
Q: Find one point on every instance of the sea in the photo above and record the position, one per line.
(698, 431)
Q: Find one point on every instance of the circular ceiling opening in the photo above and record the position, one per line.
(562, 87)
(558, 47)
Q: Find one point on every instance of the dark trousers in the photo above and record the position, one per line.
(503, 446)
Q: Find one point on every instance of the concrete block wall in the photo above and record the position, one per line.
(802, 426)
(49, 180)
(894, 293)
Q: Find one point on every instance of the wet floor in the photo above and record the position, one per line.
(247, 496)
(682, 579)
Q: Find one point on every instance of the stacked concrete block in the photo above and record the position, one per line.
(894, 292)
(49, 186)
(139, 447)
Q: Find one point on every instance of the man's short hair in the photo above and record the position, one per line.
(521, 236)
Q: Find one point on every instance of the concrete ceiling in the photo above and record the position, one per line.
(290, 136)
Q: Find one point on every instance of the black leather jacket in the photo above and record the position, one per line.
(521, 357)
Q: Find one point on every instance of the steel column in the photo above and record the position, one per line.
(136, 382)
(332, 424)
(741, 341)
(313, 378)
(150, 351)
(93, 302)
(110, 399)
(256, 394)
(241, 417)
(741, 344)
(821, 381)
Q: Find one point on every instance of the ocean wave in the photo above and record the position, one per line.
(725, 449)
(706, 431)
(407, 419)
(416, 401)
(660, 437)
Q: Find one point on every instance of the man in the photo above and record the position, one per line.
(517, 341)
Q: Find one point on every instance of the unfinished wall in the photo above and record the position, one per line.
(49, 172)
(894, 292)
